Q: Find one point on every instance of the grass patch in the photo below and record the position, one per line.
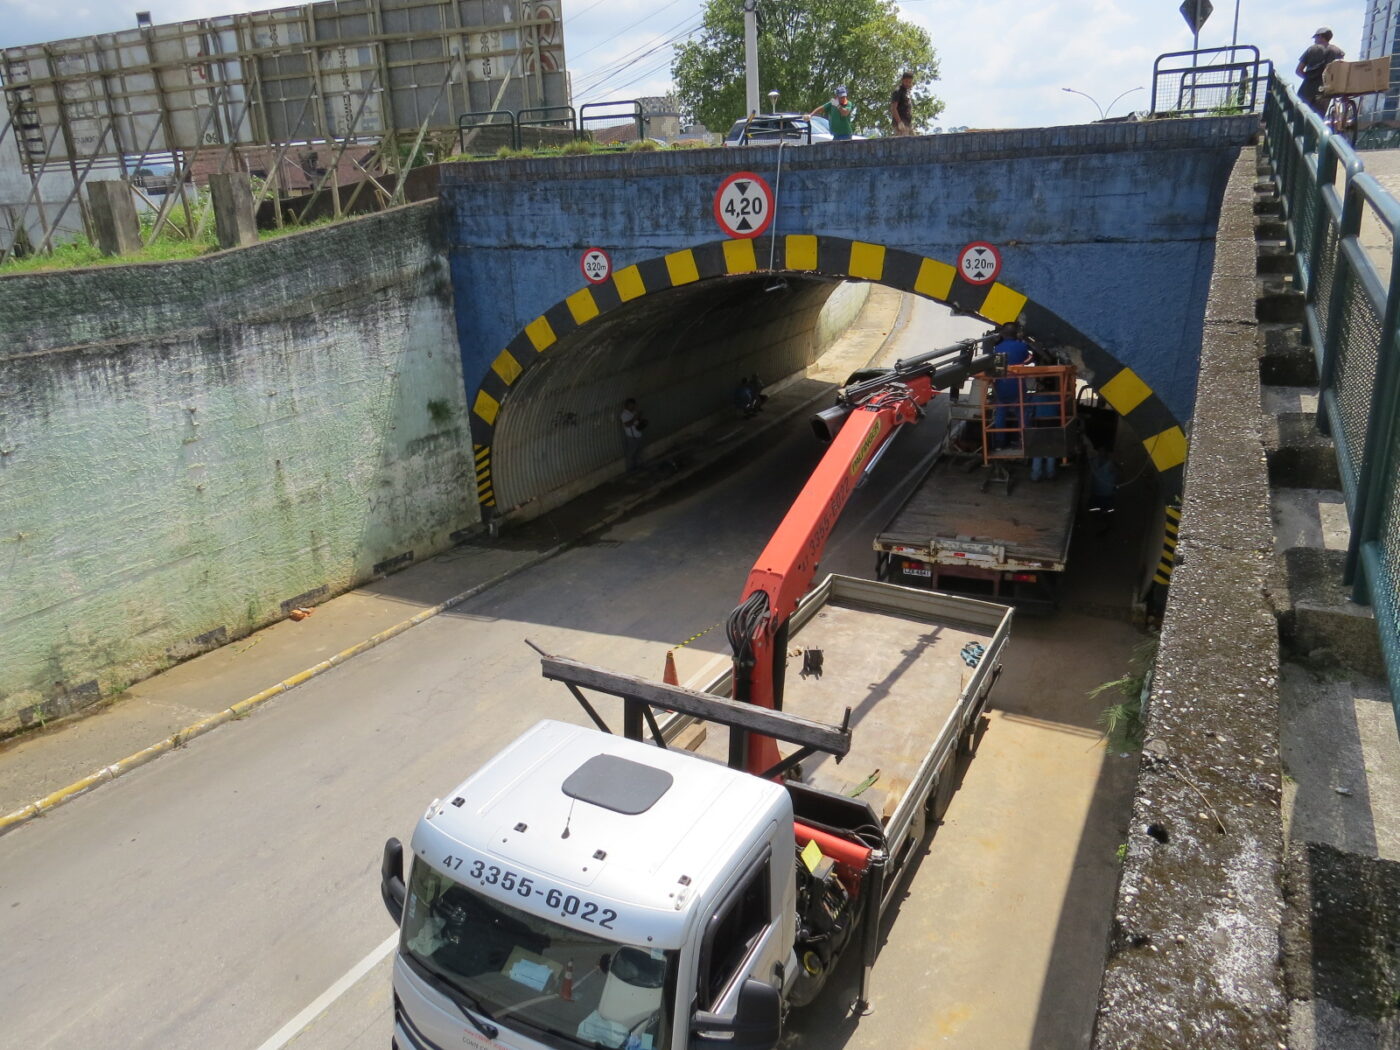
(170, 246)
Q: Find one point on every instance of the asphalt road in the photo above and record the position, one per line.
(226, 896)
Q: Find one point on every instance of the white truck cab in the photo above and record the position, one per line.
(587, 890)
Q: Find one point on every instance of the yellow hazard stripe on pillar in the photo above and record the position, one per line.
(630, 284)
(935, 279)
(681, 266)
(485, 492)
(801, 251)
(867, 260)
(1125, 391)
(540, 333)
(582, 305)
(1002, 304)
(507, 367)
(487, 407)
(1167, 449)
(1169, 542)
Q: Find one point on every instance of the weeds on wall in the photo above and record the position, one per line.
(1122, 722)
(176, 240)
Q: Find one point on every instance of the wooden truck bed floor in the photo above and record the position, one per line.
(1032, 520)
(902, 678)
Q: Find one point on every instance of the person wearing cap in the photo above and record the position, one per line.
(1315, 59)
(902, 106)
(837, 113)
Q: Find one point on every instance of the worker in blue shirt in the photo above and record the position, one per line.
(1044, 409)
(1007, 391)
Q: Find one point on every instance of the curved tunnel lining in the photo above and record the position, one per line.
(834, 257)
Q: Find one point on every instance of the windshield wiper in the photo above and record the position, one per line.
(447, 987)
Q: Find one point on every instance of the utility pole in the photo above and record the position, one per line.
(751, 57)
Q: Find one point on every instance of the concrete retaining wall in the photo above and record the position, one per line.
(188, 450)
(1194, 959)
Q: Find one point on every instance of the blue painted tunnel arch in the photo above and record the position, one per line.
(1162, 435)
(1106, 231)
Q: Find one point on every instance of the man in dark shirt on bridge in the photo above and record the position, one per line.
(1315, 59)
(902, 106)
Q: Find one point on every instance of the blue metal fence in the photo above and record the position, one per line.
(1351, 315)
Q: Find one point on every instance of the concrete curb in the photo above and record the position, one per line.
(180, 737)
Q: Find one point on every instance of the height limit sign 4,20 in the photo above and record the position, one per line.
(743, 205)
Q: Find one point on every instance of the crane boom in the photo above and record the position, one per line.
(867, 415)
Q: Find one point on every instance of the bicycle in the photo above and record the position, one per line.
(1342, 116)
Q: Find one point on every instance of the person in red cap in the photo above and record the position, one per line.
(1315, 59)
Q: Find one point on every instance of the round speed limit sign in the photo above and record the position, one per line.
(743, 205)
(596, 265)
(979, 263)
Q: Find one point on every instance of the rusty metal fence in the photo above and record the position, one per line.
(1350, 309)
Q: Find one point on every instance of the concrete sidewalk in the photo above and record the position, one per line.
(43, 769)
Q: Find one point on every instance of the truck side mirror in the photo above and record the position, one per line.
(391, 886)
(757, 1023)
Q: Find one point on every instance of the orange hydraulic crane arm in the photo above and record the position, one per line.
(865, 418)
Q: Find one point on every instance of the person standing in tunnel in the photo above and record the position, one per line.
(633, 423)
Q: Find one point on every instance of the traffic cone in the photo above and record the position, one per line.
(669, 675)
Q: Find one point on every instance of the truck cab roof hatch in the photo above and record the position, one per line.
(618, 784)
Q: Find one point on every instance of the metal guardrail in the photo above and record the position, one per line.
(1351, 319)
(614, 113)
(546, 125)
(1199, 83)
(483, 132)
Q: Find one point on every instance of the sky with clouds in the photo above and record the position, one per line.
(1005, 63)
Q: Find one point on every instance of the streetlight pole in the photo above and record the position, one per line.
(751, 57)
(1103, 111)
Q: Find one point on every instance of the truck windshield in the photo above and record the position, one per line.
(516, 967)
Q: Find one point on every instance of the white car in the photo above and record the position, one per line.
(769, 129)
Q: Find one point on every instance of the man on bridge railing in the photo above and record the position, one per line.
(1314, 60)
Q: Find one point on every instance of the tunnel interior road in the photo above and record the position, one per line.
(681, 353)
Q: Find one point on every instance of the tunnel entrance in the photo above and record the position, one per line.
(678, 332)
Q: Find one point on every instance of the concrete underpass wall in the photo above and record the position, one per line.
(680, 354)
(189, 449)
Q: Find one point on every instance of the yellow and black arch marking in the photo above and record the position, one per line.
(838, 257)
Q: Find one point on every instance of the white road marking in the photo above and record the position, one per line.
(293, 1028)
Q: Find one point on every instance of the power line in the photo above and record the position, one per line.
(624, 29)
(604, 74)
(646, 48)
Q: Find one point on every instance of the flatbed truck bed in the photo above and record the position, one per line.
(914, 668)
(962, 530)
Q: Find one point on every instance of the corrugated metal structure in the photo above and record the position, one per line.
(340, 72)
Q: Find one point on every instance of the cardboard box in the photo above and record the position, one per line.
(1357, 78)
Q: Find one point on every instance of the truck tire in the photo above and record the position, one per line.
(942, 793)
(967, 742)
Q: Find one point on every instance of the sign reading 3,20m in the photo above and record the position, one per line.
(743, 205)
